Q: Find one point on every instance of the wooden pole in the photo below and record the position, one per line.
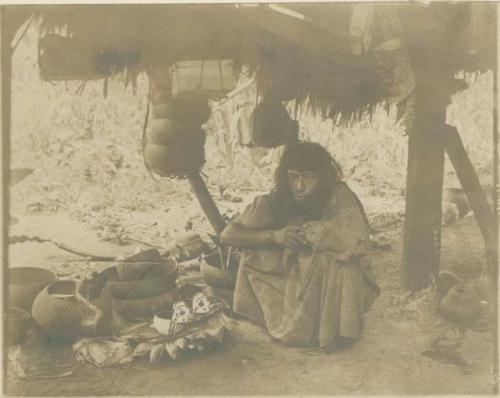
(493, 265)
(470, 183)
(422, 227)
(207, 203)
(5, 106)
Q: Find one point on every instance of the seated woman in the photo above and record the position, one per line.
(304, 275)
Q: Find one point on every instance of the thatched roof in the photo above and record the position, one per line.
(306, 46)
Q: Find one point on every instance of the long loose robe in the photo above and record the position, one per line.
(315, 296)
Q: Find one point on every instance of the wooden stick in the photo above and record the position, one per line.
(228, 257)
(207, 203)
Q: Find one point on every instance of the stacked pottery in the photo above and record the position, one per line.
(175, 140)
(139, 290)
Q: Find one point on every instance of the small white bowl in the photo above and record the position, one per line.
(164, 325)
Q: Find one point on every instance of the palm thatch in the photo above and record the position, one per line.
(304, 48)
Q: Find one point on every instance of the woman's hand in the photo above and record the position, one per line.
(291, 237)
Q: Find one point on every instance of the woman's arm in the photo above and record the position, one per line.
(239, 236)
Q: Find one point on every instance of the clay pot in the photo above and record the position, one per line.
(214, 275)
(461, 304)
(174, 160)
(25, 283)
(18, 321)
(459, 198)
(446, 280)
(93, 290)
(62, 315)
(139, 289)
(149, 255)
(145, 308)
(170, 132)
(136, 271)
(190, 245)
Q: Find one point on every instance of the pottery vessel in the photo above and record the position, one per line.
(25, 283)
(163, 323)
(459, 198)
(63, 315)
(18, 324)
(136, 271)
(461, 304)
(140, 289)
(145, 308)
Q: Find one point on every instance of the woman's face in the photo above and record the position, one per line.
(303, 184)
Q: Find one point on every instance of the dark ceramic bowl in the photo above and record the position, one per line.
(136, 271)
(166, 276)
(18, 321)
(25, 283)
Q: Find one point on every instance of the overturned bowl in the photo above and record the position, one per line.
(25, 283)
(167, 273)
(136, 271)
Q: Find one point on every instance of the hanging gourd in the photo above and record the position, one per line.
(174, 144)
(271, 125)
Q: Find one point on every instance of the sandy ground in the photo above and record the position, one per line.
(387, 360)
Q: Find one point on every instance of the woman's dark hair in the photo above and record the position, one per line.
(306, 156)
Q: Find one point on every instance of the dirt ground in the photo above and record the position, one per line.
(387, 360)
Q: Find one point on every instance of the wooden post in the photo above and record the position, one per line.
(494, 258)
(5, 106)
(422, 227)
(207, 203)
